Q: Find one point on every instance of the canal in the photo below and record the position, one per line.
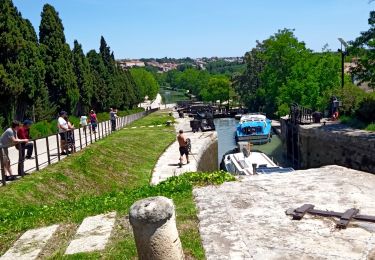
(225, 128)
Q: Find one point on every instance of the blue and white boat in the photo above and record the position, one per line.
(254, 128)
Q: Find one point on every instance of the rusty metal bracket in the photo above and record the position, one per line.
(345, 217)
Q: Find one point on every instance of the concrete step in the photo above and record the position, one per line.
(30, 244)
(93, 234)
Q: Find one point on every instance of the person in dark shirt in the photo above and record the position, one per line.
(24, 133)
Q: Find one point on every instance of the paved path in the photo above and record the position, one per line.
(167, 165)
(246, 219)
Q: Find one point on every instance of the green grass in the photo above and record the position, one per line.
(45, 128)
(356, 123)
(159, 118)
(109, 175)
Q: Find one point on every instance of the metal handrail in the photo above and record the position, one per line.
(103, 130)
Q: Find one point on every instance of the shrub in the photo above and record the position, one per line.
(366, 110)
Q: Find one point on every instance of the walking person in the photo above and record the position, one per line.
(24, 133)
(113, 116)
(8, 139)
(182, 141)
(93, 121)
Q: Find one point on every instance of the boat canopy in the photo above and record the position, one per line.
(253, 118)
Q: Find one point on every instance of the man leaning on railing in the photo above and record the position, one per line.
(8, 139)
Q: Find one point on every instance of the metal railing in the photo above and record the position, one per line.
(47, 150)
(300, 115)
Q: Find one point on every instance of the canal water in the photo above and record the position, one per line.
(226, 127)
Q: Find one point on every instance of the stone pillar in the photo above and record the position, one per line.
(154, 227)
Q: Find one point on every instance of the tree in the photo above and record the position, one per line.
(60, 78)
(364, 46)
(218, 88)
(146, 82)
(21, 68)
(85, 80)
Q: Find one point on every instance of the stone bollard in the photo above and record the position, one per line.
(154, 227)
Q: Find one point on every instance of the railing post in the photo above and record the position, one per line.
(105, 129)
(58, 147)
(91, 135)
(48, 152)
(3, 180)
(98, 131)
(85, 129)
(80, 138)
(21, 159)
(102, 129)
(36, 156)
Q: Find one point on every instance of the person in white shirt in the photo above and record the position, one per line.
(63, 127)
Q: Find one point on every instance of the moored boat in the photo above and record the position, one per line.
(250, 163)
(255, 128)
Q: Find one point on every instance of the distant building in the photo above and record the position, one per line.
(131, 63)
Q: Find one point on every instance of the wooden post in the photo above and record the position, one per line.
(80, 138)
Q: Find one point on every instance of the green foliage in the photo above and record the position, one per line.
(38, 79)
(366, 110)
(225, 67)
(281, 70)
(351, 97)
(364, 48)
(60, 78)
(146, 82)
(85, 79)
(218, 88)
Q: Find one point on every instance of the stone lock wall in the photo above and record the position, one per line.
(337, 144)
(208, 161)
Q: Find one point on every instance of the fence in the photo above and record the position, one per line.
(300, 115)
(47, 150)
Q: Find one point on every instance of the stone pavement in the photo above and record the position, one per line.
(246, 219)
(92, 235)
(167, 165)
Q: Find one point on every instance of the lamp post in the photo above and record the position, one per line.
(343, 53)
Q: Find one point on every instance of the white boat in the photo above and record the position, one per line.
(250, 163)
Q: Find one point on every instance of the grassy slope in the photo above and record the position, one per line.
(81, 185)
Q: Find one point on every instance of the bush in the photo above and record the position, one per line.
(351, 97)
(366, 110)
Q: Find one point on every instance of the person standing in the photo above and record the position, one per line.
(93, 121)
(24, 133)
(113, 117)
(183, 147)
(62, 125)
(83, 122)
(8, 139)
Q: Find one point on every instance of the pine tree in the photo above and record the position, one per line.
(60, 78)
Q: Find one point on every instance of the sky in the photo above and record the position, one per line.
(200, 28)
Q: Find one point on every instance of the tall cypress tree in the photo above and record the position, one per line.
(99, 72)
(84, 79)
(21, 68)
(60, 78)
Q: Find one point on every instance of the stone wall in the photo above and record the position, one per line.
(208, 160)
(334, 143)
